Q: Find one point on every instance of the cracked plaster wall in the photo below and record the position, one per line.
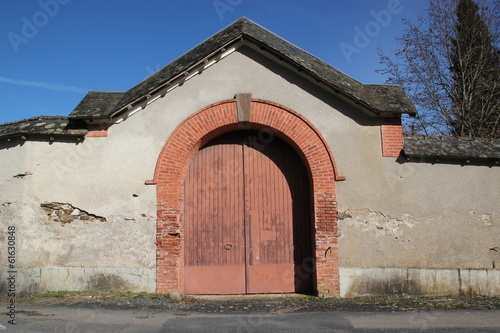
(395, 215)
(372, 239)
(437, 216)
(108, 239)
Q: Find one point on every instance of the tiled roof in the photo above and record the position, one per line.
(96, 104)
(377, 98)
(41, 126)
(432, 147)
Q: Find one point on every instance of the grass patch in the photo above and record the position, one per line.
(104, 295)
(304, 298)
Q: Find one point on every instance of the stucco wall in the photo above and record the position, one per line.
(433, 216)
(409, 215)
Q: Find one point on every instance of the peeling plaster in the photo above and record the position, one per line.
(487, 220)
(375, 222)
(67, 213)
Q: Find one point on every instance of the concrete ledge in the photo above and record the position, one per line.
(30, 281)
(355, 281)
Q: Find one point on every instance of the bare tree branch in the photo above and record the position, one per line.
(448, 62)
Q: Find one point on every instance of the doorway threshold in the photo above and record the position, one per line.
(247, 296)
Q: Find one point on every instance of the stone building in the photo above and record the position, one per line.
(248, 165)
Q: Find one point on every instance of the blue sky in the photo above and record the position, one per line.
(53, 51)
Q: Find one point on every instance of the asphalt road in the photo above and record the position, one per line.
(60, 318)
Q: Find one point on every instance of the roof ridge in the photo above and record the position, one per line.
(192, 49)
(300, 49)
(107, 91)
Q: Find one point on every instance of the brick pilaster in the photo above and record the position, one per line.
(392, 136)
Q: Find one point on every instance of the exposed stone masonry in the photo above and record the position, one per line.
(67, 213)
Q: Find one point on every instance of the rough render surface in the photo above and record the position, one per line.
(444, 216)
(371, 239)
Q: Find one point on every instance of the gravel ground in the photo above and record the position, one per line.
(262, 304)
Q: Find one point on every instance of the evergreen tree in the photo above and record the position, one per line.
(475, 66)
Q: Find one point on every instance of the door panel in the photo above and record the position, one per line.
(277, 219)
(214, 211)
(215, 280)
(247, 218)
(276, 278)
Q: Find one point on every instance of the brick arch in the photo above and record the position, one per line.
(215, 120)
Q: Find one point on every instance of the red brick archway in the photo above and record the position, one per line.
(216, 120)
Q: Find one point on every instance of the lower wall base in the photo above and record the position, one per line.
(30, 281)
(418, 281)
(353, 281)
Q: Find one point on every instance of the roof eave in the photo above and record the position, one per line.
(460, 160)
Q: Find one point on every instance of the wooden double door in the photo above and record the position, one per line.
(247, 218)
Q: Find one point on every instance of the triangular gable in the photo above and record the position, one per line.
(376, 99)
